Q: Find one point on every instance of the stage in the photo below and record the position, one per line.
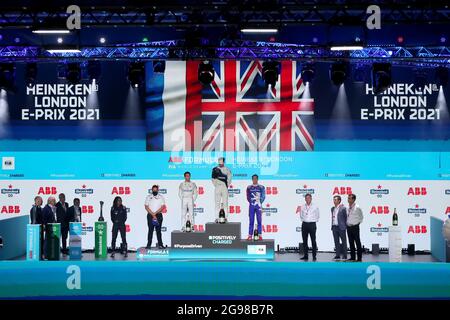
(286, 277)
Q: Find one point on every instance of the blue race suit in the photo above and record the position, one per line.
(255, 197)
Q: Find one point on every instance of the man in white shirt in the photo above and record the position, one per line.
(154, 205)
(309, 214)
(187, 191)
(354, 219)
(221, 179)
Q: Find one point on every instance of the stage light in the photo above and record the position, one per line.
(346, 48)
(159, 66)
(262, 30)
(30, 73)
(51, 31)
(145, 39)
(205, 72)
(73, 73)
(136, 73)
(17, 40)
(94, 69)
(443, 39)
(270, 72)
(308, 72)
(338, 72)
(381, 76)
(7, 76)
(400, 39)
(441, 76)
(102, 40)
(65, 49)
(60, 40)
(315, 40)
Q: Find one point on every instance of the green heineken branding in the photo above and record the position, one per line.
(53, 241)
(100, 239)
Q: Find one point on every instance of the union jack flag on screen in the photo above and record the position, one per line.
(236, 112)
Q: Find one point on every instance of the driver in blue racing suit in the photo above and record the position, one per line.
(256, 194)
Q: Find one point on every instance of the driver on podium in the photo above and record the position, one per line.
(221, 179)
(256, 194)
(188, 193)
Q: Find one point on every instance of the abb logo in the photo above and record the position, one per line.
(201, 190)
(342, 190)
(272, 190)
(127, 228)
(417, 191)
(164, 209)
(235, 209)
(199, 227)
(379, 210)
(299, 209)
(417, 229)
(121, 190)
(47, 190)
(447, 211)
(176, 159)
(10, 209)
(270, 228)
(87, 209)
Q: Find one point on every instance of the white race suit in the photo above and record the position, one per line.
(221, 180)
(188, 194)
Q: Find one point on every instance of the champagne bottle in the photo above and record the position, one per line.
(222, 216)
(188, 226)
(255, 235)
(395, 218)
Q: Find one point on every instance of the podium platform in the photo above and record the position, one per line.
(218, 242)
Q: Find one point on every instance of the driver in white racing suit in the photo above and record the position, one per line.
(221, 179)
(188, 194)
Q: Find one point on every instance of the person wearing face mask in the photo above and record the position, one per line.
(221, 179)
(118, 218)
(154, 205)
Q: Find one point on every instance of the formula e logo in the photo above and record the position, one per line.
(379, 191)
(271, 191)
(342, 190)
(10, 191)
(417, 211)
(47, 190)
(379, 210)
(417, 229)
(268, 210)
(83, 191)
(87, 209)
(232, 191)
(270, 228)
(417, 191)
(10, 209)
(121, 190)
(304, 190)
(234, 209)
(379, 229)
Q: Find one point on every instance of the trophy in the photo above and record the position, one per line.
(101, 212)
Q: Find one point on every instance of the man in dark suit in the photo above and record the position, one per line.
(339, 227)
(48, 216)
(75, 211)
(62, 216)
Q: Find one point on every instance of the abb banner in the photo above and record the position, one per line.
(415, 202)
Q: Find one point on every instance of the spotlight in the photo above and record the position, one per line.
(270, 72)
(338, 72)
(159, 66)
(205, 72)
(7, 76)
(94, 69)
(60, 40)
(381, 76)
(400, 39)
(443, 39)
(308, 72)
(102, 40)
(136, 73)
(30, 73)
(73, 73)
(441, 76)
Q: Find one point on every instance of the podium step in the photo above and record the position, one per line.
(229, 229)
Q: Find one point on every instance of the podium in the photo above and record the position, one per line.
(33, 242)
(75, 232)
(395, 244)
(219, 241)
(52, 241)
(101, 249)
